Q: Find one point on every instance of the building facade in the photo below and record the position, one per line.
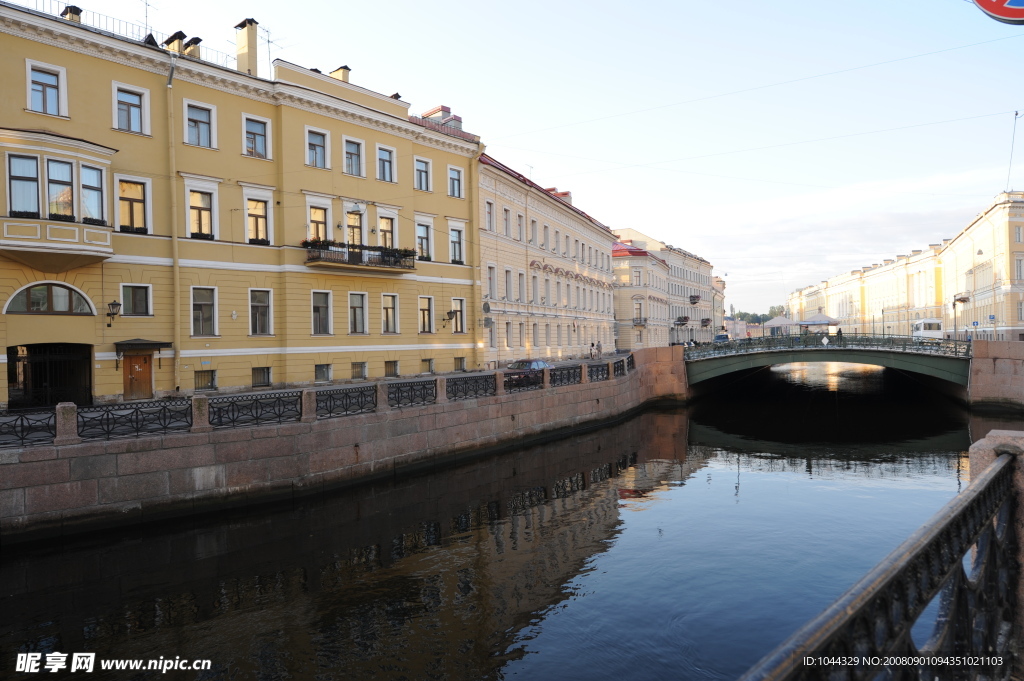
(174, 221)
(546, 271)
(970, 285)
(641, 298)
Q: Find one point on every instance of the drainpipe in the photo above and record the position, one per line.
(172, 173)
(473, 228)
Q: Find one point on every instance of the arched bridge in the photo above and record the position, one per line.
(946, 359)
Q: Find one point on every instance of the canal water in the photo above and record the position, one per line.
(680, 544)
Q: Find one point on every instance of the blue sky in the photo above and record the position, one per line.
(784, 141)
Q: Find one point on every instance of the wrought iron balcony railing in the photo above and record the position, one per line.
(811, 341)
(361, 256)
(639, 321)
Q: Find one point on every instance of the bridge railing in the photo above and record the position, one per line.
(965, 557)
(826, 343)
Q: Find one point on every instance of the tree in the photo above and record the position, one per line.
(776, 311)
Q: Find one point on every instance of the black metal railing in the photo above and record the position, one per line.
(26, 428)
(526, 379)
(466, 387)
(346, 401)
(132, 419)
(371, 256)
(639, 321)
(566, 375)
(619, 367)
(824, 343)
(597, 372)
(242, 410)
(630, 363)
(412, 393)
(873, 620)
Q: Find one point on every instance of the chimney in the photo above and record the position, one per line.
(341, 73)
(245, 47)
(174, 42)
(72, 13)
(565, 196)
(192, 47)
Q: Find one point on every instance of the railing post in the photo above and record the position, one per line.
(308, 406)
(200, 414)
(499, 382)
(67, 424)
(442, 389)
(611, 370)
(584, 373)
(382, 397)
(546, 378)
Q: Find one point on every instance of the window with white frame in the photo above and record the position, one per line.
(92, 196)
(1020, 311)
(506, 221)
(359, 370)
(60, 190)
(131, 108)
(522, 287)
(204, 302)
(1018, 234)
(489, 216)
(389, 313)
(357, 313)
(535, 289)
(1018, 269)
(520, 226)
(200, 124)
(508, 334)
(492, 283)
(422, 174)
(259, 312)
(533, 232)
(423, 241)
(256, 221)
(318, 222)
(426, 314)
(136, 300)
(386, 164)
(545, 243)
(322, 373)
(354, 157)
(23, 194)
(386, 230)
(508, 285)
(256, 137)
(46, 88)
(554, 244)
(317, 155)
(321, 312)
(261, 377)
(455, 243)
(459, 319)
(202, 202)
(455, 182)
(354, 227)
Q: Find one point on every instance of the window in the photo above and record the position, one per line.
(547, 335)
(129, 111)
(203, 319)
(321, 312)
(508, 284)
(206, 380)
(507, 221)
(522, 334)
(256, 133)
(391, 368)
(536, 335)
(1019, 269)
(47, 90)
(1018, 234)
(519, 227)
(259, 312)
(322, 372)
(422, 179)
(261, 377)
(24, 192)
(386, 229)
(460, 364)
(317, 222)
(135, 301)
(639, 336)
(508, 334)
(316, 143)
(200, 126)
(638, 310)
(354, 228)
(492, 283)
(92, 196)
(200, 212)
(455, 182)
(60, 191)
(535, 289)
(546, 235)
(389, 313)
(533, 231)
(455, 238)
(49, 299)
(636, 277)
(554, 244)
(459, 320)
(354, 158)
(256, 220)
(385, 164)
(522, 288)
(423, 241)
(1020, 311)
(489, 216)
(427, 366)
(426, 316)
(357, 313)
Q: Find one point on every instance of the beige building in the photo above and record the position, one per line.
(546, 271)
(982, 269)
(174, 219)
(641, 298)
(718, 304)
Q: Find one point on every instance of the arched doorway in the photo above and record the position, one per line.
(44, 374)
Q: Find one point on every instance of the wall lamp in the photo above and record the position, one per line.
(113, 309)
(450, 315)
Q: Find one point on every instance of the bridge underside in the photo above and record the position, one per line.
(953, 369)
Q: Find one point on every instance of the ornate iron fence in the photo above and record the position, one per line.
(824, 343)
(870, 625)
(566, 375)
(132, 419)
(527, 379)
(620, 368)
(465, 387)
(22, 428)
(597, 372)
(630, 363)
(240, 410)
(345, 401)
(411, 393)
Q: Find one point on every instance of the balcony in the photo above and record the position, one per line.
(359, 257)
(639, 321)
(54, 245)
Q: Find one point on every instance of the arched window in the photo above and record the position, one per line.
(49, 299)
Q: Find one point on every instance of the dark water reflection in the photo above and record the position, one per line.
(676, 545)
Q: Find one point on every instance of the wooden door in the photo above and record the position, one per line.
(138, 377)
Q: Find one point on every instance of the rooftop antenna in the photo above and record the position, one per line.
(1013, 137)
(270, 61)
(145, 9)
(531, 170)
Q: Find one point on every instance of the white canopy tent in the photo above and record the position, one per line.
(820, 319)
(780, 323)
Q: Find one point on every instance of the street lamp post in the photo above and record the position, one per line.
(959, 298)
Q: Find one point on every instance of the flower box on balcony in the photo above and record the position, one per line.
(423, 257)
(259, 242)
(458, 262)
(95, 221)
(31, 214)
(134, 230)
(61, 217)
(206, 236)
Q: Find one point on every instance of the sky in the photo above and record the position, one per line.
(785, 141)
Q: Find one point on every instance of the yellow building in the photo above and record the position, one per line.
(981, 269)
(641, 298)
(547, 271)
(253, 231)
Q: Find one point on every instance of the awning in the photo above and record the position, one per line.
(780, 321)
(141, 344)
(819, 319)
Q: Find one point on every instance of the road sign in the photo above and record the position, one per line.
(1007, 11)
(991, 317)
(974, 323)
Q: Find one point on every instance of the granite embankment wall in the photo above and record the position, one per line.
(67, 488)
(997, 375)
